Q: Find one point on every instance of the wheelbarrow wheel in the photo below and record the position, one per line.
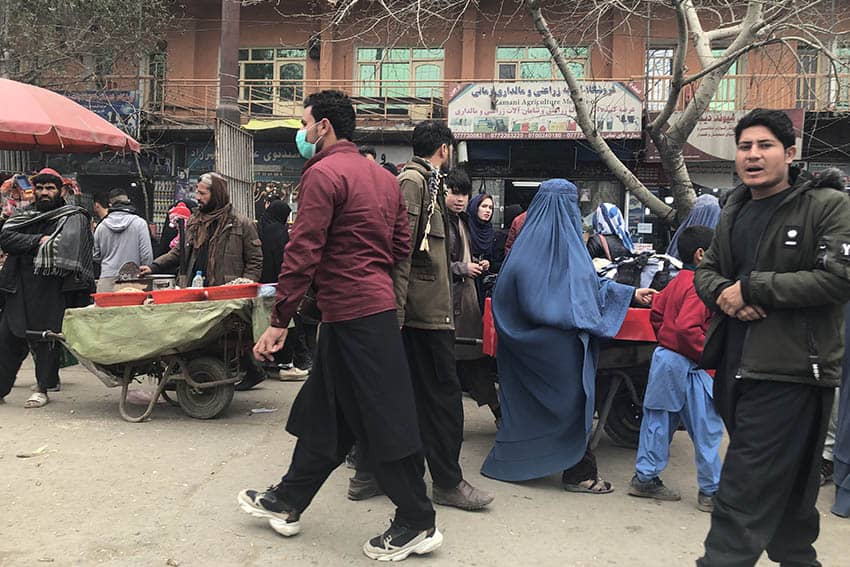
(205, 403)
(623, 424)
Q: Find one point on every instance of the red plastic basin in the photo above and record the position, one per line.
(240, 291)
(163, 296)
(122, 299)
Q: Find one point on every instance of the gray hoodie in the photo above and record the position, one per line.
(121, 237)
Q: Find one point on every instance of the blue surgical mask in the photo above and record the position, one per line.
(305, 148)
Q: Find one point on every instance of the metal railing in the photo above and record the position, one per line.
(193, 101)
(396, 103)
(814, 91)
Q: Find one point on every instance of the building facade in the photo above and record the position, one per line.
(487, 74)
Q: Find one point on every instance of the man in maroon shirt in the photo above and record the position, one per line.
(352, 228)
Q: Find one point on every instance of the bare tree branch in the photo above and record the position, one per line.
(632, 183)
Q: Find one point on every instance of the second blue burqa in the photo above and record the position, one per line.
(550, 310)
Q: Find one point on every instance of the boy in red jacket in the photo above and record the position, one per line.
(678, 390)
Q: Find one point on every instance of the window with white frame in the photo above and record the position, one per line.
(659, 71)
(271, 79)
(536, 63)
(400, 72)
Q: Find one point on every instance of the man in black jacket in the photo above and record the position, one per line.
(48, 269)
(778, 276)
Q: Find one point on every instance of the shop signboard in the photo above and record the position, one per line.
(119, 108)
(528, 110)
(713, 138)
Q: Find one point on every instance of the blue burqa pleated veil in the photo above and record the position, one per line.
(706, 212)
(550, 310)
(841, 451)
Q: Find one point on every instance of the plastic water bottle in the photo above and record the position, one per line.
(198, 280)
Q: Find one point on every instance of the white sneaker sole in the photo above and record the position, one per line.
(423, 547)
(281, 526)
(289, 376)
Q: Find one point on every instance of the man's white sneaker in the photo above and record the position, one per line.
(398, 542)
(293, 374)
(268, 506)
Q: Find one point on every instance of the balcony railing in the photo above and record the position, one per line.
(402, 103)
(816, 92)
(377, 103)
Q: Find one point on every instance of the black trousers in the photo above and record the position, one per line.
(13, 351)
(769, 483)
(476, 377)
(401, 479)
(439, 403)
(300, 345)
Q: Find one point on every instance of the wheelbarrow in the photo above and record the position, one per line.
(203, 379)
(196, 348)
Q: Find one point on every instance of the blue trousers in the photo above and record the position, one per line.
(704, 427)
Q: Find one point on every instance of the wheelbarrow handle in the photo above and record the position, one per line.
(44, 336)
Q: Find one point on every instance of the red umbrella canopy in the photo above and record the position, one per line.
(33, 118)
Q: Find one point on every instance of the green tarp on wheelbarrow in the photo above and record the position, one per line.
(114, 335)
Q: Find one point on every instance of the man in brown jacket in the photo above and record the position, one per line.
(221, 244)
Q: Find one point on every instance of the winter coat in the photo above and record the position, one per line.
(467, 313)
(35, 302)
(422, 282)
(801, 279)
(121, 237)
(513, 233)
(240, 257)
(679, 318)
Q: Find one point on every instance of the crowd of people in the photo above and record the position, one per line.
(396, 266)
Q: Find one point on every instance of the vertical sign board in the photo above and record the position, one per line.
(234, 160)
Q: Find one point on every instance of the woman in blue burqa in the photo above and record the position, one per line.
(706, 212)
(841, 451)
(551, 311)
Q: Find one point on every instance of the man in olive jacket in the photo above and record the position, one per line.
(778, 276)
(423, 293)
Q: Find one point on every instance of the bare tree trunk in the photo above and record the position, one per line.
(586, 123)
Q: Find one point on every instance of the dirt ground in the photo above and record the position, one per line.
(107, 492)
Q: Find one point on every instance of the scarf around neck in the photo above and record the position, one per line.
(68, 249)
(207, 228)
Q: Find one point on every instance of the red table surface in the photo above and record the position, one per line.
(636, 327)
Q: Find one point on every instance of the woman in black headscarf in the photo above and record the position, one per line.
(274, 235)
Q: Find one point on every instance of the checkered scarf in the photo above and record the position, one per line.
(68, 249)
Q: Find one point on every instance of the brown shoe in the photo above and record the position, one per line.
(463, 496)
(363, 488)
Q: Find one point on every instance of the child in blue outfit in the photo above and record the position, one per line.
(678, 390)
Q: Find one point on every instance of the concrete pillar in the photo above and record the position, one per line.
(228, 62)
(470, 44)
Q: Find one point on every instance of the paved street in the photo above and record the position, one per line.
(164, 493)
